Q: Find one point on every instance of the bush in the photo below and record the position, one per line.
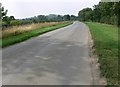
(114, 20)
(3, 24)
(16, 22)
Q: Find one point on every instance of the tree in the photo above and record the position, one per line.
(41, 18)
(96, 13)
(6, 19)
(3, 12)
(73, 17)
(85, 14)
(12, 18)
(60, 18)
(66, 17)
(118, 11)
(105, 12)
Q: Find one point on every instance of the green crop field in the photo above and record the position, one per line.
(106, 43)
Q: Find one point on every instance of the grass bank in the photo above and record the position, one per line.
(28, 34)
(106, 43)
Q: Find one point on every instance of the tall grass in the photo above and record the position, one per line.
(14, 37)
(15, 30)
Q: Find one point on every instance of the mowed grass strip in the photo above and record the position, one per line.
(106, 43)
(26, 35)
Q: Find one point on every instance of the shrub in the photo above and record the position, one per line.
(16, 22)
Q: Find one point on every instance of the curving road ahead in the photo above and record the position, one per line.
(60, 57)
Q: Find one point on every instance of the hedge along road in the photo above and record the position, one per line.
(59, 57)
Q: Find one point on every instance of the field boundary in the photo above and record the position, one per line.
(27, 35)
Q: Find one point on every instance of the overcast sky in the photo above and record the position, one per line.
(29, 8)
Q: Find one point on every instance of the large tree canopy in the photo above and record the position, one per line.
(85, 14)
(105, 12)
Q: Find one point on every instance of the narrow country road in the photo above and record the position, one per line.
(60, 57)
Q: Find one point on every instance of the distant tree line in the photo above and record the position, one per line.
(11, 21)
(49, 18)
(104, 12)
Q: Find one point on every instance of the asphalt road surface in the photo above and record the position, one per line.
(60, 57)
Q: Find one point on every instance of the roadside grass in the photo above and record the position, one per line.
(106, 43)
(15, 30)
(28, 34)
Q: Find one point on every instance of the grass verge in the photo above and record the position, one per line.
(15, 30)
(26, 35)
(106, 43)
